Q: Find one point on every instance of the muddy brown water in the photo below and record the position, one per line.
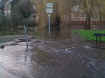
(66, 55)
(62, 55)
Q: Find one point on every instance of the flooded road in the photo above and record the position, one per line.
(9, 38)
(62, 55)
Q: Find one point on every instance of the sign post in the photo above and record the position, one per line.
(49, 23)
(49, 10)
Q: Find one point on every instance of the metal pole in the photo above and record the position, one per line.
(49, 24)
(100, 42)
(96, 40)
(25, 29)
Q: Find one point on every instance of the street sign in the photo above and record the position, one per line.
(49, 10)
(49, 5)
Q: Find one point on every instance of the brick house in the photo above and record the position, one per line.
(76, 16)
(6, 8)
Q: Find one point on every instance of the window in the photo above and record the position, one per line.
(0, 3)
(72, 15)
(5, 13)
(5, 6)
(84, 15)
(79, 15)
(8, 13)
(77, 8)
(9, 6)
(0, 12)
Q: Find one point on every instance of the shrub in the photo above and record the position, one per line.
(5, 22)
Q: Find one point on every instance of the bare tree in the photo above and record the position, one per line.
(89, 6)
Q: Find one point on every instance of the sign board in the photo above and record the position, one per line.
(49, 5)
(49, 10)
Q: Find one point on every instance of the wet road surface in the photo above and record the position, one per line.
(53, 57)
(9, 38)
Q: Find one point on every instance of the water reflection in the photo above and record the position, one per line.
(9, 38)
(64, 32)
(55, 32)
(59, 32)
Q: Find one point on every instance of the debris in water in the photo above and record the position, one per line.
(1, 46)
(86, 46)
(67, 50)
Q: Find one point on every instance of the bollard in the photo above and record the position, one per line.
(25, 29)
(25, 32)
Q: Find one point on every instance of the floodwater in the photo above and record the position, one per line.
(59, 32)
(9, 38)
(63, 54)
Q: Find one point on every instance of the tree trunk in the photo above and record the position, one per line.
(87, 22)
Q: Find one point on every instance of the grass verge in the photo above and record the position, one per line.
(87, 34)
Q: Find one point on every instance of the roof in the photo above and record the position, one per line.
(7, 2)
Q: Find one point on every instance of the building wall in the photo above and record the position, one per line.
(76, 16)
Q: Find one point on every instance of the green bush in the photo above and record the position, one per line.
(5, 22)
(29, 22)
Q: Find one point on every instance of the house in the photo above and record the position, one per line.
(6, 8)
(76, 16)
